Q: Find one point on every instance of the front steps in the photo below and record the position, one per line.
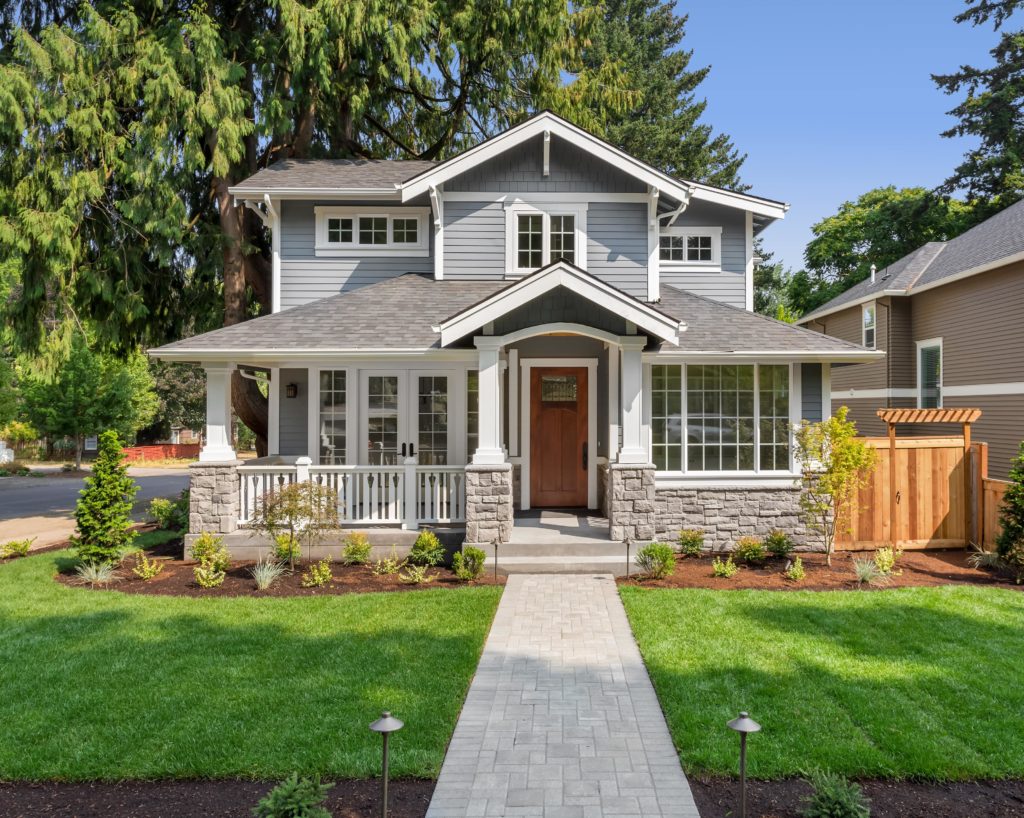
(598, 556)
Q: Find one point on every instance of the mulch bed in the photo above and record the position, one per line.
(918, 568)
(719, 798)
(197, 799)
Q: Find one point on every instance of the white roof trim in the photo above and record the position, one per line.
(874, 296)
(561, 274)
(756, 355)
(547, 121)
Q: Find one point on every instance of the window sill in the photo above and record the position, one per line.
(720, 480)
(371, 250)
(691, 267)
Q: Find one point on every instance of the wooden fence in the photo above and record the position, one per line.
(935, 495)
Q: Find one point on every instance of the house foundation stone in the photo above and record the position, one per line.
(488, 503)
(630, 499)
(213, 497)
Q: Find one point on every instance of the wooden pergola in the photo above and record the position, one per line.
(963, 417)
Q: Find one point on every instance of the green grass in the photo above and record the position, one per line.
(917, 682)
(158, 536)
(104, 685)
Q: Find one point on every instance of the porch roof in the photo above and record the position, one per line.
(404, 315)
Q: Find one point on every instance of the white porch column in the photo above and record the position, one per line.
(218, 414)
(489, 451)
(631, 372)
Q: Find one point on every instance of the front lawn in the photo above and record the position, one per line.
(116, 686)
(921, 682)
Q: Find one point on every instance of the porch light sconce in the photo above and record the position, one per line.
(743, 725)
(291, 390)
(385, 725)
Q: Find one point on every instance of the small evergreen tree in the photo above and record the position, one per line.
(1010, 542)
(103, 513)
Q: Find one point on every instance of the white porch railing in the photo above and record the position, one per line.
(406, 495)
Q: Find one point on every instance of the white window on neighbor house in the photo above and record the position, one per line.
(535, 237)
(356, 231)
(868, 322)
(929, 374)
(720, 418)
(690, 246)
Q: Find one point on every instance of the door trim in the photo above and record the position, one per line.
(525, 365)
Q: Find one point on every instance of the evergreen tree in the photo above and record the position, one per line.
(662, 124)
(1010, 542)
(992, 111)
(103, 513)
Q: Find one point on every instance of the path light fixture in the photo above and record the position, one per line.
(743, 725)
(385, 725)
(494, 544)
(627, 542)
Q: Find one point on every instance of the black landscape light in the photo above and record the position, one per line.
(626, 541)
(385, 725)
(743, 725)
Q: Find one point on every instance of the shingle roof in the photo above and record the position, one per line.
(400, 313)
(998, 237)
(332, 174)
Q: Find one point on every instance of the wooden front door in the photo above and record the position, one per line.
(558, 437)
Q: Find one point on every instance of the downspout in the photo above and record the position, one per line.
(888, 349)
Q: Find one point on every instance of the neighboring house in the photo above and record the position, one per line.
(541, 321)
(950, 317)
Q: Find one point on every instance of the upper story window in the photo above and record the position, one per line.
(364, 231)
(685, 246)
(929, 374)
(868, 319)
(538, 235)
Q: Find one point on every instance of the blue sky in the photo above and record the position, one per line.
(831, 98)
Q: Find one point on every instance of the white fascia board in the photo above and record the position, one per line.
(760, 356)
(973, 271)
(257, 194)
(288, 357)
(547, 121)
(534, 286)
(818, 314)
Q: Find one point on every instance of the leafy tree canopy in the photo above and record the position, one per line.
(181, 399)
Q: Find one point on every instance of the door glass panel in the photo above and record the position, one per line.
(382, 420)
(432, 411)
(332, 417)
(558, 388)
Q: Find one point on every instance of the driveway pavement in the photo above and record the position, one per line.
(42, 507)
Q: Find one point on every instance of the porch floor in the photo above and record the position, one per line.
(554, 528)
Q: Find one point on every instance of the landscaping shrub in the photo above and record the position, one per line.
(885, 560)
(356, 550)
(208, 577)
(266, 572)
(318, 575)
(834, 797)
(145, 569)
(389, 565)
(208, 549)
(417, 575)
(795, 570)
(468, 563)
(304, 511)
(779, 543)
(103, 514)
(286, 548)
(96, 573)
(15, 469)
(427, 550)
(294, 798)
(1010, 542)
(170, 515)
(691, 542)
(657, 560)
(867, 573)
(725, 569)
(750, 550)
(16, 548)
(980, 558)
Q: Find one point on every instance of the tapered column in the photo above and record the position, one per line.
(489, 451)
(218, 414)
(631, 374)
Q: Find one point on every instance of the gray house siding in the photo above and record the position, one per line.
(810, 392)
(293, 417)
(305, 277)
(617, 245)
(474, 240)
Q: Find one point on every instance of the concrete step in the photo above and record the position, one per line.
(590, 548)
(561, 565)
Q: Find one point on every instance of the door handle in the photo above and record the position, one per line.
(403, 450)
(412, 450)
(585, 459)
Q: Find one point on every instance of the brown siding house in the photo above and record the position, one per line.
(950, 317)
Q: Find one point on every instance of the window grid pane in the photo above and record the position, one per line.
(406, 231)
(774, 422)
(332, 417)
(671, 248)
(339, 231)
(530, 241)
(373, 230)
(667, 417)
(698, 248)
(472, 412)
(563, 238)
(931, 370)
(432, 401)
(720, 417)
(382, 420)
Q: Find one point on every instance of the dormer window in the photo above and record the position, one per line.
(537, 235)
(690, 246)
(359, 231)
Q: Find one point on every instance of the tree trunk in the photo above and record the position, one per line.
(79, 447)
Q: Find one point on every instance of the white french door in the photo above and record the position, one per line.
(406, 414)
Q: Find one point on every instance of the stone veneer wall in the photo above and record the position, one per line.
(631, 508)
(213, 497)
(488, 503)
(729, 513)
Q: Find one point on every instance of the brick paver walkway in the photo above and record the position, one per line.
(561, 720)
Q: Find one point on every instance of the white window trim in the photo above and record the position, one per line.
(686, 231)
(870, 307)
(918, 346)
(313, 412)
(354, 249)
(578, 210)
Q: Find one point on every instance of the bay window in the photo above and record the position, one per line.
(720, 417)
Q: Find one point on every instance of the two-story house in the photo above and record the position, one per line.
(541, 321)
(950, 317)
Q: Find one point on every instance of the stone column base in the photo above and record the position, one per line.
(630, 500)
(488, 503)
(213, 497)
